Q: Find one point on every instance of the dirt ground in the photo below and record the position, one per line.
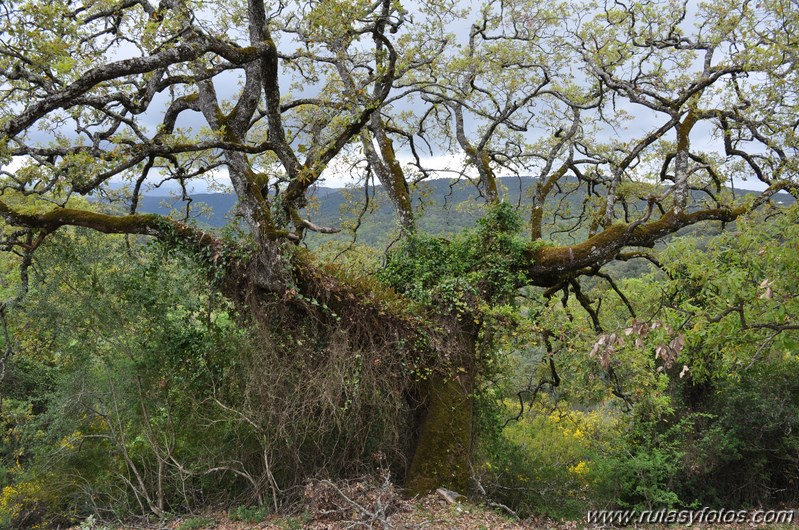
(429, 513)
(375, 503)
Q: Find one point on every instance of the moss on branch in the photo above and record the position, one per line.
(162, 228)
(550, 264)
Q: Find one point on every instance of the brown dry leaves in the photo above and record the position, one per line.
(608, 344)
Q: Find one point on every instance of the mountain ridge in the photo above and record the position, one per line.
(443, 206)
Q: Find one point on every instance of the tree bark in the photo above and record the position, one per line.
(443, 450)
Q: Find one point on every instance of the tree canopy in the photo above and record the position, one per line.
(619, 99)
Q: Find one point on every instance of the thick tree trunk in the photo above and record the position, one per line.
(443, 450)
(442, 454)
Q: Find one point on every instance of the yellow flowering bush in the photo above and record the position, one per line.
(555, 460)
(27, 504)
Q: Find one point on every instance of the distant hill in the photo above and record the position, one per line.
(444, 207)
(213, 209)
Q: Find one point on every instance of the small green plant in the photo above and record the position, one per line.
(249, 514)
(294, 522)
(195, 523)
(90, 523)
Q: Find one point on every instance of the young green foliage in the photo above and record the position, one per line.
(475, 270)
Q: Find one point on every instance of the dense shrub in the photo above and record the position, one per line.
(147, 393)
(552, 461)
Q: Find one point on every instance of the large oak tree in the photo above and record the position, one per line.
(648, 113)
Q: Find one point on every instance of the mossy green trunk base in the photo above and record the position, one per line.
(443, 450)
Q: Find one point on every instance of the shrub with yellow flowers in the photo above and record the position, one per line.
(553, 460)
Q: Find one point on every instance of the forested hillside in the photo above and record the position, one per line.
(446, 207)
